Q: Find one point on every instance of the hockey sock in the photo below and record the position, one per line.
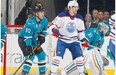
(75, 67)
(27, 66)
(55, 63)
(42, 67)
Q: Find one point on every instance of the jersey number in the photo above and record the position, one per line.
(28, 30)
(90, 34)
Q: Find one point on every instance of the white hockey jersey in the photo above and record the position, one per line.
(69, 29)
(112, 23)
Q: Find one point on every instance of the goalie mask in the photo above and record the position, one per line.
(103, 28)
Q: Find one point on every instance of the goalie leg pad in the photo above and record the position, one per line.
(96, 63)
(105, 60)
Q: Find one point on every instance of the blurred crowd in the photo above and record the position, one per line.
(91, 20)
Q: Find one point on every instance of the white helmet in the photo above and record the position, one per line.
(72, 3)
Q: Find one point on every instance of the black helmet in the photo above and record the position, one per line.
(38, 9)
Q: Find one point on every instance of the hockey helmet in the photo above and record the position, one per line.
(38, 9)
(103, 28)
(72, 3)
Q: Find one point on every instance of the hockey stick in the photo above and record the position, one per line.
(69, 38)
(25, 60)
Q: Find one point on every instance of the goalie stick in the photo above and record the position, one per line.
(26, 59)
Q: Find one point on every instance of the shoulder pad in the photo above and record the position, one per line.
(79, 16)
(31, 21)
(44, 19)
(63, 14)
(96, 30)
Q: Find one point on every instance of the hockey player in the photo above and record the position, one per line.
(3, 34)
(28, 38)
(92, 56)
(68, 26)
(112, 35)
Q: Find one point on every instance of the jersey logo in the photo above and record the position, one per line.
(30, 23)
(71, 27)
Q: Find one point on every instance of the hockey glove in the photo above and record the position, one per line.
(29, 51)
(55, 32)
(41, 39)
(85, 42)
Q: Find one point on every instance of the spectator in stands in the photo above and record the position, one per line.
(38, 3)
(95, 18)
(101, 15)
(88, 19)
(106, 16)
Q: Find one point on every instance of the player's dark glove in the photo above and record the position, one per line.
(41, 39)
(85, 42)
(29, 51)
